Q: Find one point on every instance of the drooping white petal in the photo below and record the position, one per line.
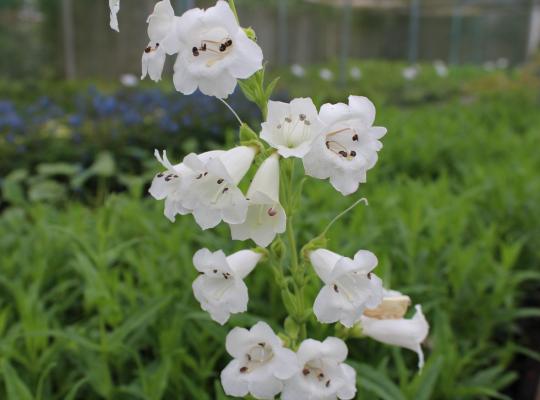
(153, 62)
(265, 216)
(114, 6)
(324, 262)
(243, 262)
(407, 333)
(232, 380)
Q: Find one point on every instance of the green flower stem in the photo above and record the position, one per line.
(233, 8)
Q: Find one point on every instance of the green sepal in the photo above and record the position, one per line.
(318, 242)
(292, 329)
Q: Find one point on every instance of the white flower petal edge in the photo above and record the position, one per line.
(220, 288)
(348, 147)
(210, 190)
(260, 363)
(323, 374)
(161, 25)
(265, 217)
(114, 6)
(407, 333)
(213, 52)
(350, 286)
(292, 128)
(168, 185)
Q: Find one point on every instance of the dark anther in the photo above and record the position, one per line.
(225, 190)
(160, 175)
(228, 43)
(203, 47)
(302, 117)
(206, 173)
(148, 49)
(272, 212)
(220, 181)
(279, 126)
(343, 153)
(176, 176)
(199, 177)
(215, 271)
(222, 47)
(168, 178)
(369, 275)
(327, 145)
(288, 120)
(261, 344)
(307, 122)
(355, 138)
(336, 289)
(327, 383)
(353, 153)
(195, 52)
(305, 371)
(321, 375)
(248, 357)
(243, 370)
(157, 45)
(226, 275)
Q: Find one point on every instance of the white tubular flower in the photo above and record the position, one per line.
(260, 363)
(161, 25)
(292, 128)
(350, 286)
(214, 51)
(220, 288)
(348, 147)
(265, 217)
(168, 185)
(114, 6)
(387, 325)
(211, 192)
(323, 374)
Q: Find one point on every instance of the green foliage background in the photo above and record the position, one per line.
(96, 301)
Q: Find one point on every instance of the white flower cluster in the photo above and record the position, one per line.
(337, 142)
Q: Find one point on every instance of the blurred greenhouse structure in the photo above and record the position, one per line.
(53, 38)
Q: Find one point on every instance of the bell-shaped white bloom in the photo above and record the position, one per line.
(323, 374)
(348, 147)
(356, 73)
(260, 364)
(292, 127)
(214, 51)
(220, 288)
(298, 71)
(265, 217)
(211, 190)
(349, 286)
(114, 6)
(410, 73)
(168, 185)
(161, 26)
(388, 325)
(326, 75)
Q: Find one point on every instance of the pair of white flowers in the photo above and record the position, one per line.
(263, 368)
(206, 186)
(212, 50)
(338, 143)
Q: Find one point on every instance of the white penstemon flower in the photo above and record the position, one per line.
(161, 25)
(168, 185)
(213, 52)
(114, 7)
(323, 374)
(211, 190)
(348, 147)
(387, 325)
(265, 217)
(260, 364)
(220, 288)
(350, 286)
(291, 128)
